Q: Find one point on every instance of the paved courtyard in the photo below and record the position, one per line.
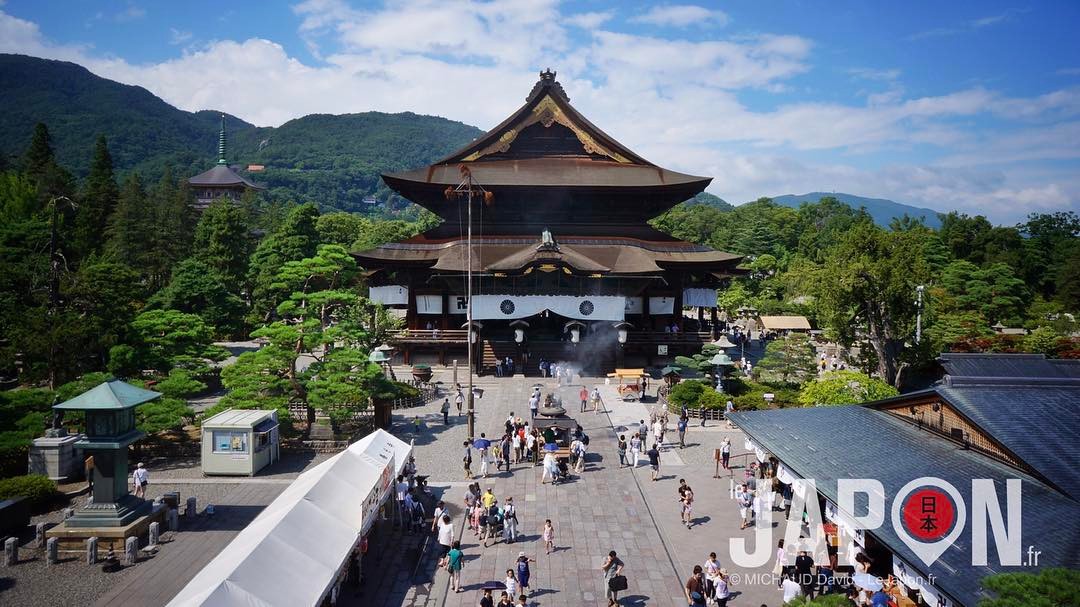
(608, 507)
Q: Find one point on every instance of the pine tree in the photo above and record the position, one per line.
(129, 228)
(97, 202)
(297, 238)
(50, 179)
(222, 243)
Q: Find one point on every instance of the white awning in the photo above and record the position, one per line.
(661, 305)
(429, 304)
(292, 552)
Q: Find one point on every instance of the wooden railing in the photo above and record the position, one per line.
(662, 337)
(430, 336)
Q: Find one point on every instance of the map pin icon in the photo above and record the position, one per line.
(930, 505)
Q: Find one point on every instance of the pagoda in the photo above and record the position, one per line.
(565, 264)
(222, 181)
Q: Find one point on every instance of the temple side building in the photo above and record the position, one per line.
(565, 264)
(222, 181)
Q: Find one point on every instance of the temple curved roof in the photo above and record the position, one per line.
(222, 176)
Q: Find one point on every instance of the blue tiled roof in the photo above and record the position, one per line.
(826, 443)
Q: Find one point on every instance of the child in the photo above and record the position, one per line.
(511, 582)
(416, 423)
(523, 601)
(549, 536)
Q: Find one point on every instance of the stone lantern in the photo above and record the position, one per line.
(110, 429)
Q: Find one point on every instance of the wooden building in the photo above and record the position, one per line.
(222, 181)
(565, 264)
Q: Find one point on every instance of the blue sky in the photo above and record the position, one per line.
(966, 105)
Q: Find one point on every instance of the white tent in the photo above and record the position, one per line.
(292, 552)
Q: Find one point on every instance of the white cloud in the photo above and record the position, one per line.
(681, 15)
(178, 36)
(590, 20)
(677, 102)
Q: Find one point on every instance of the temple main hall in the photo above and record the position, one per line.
(565, 264)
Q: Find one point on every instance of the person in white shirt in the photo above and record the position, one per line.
(140, 478)
(446, 537)
(791, 589)
(658, 433)
(510, 521)
(401, 490)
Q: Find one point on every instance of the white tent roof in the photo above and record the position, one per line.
(291, 553)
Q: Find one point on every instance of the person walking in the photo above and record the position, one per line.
(612, 568)
(459, 400)
(746, 503)
(502, 452)
(654, 461)
(622, 450)
(466, 461)
(487, 600)
(534, 405)
(510, 521)
(681, 426)
(584, 395)
(548, 535)
(643, 430)
(445, 410)
(658, 433)
(725, 453)
(695, 588)
(515, 443)
(511, 583)
(551, 468)
(687, 506)
(484, 455)
(455, 560)
(635, 448)
(582, 451)
(711, 567)
(140, 478)
(445, 537)
(523, 573)
(722, 588)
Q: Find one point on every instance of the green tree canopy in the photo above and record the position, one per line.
(845, 388)
(222, 243)
(197, 288)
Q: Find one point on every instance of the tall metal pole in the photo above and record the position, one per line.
(918, 314)
(468, 309)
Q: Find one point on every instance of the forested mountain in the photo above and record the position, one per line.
(333, 161)
(882, 210)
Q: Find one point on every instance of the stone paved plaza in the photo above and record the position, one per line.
(608, 507)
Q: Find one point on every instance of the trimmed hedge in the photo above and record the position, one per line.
(36, 487)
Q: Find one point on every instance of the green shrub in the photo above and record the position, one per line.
(123, 361)
(38, 488)
(686, 393)
(711, 399)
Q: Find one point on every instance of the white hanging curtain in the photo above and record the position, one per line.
(634, 305)
(661, 305)
(429, 304)
(391, 295)
(459, 304)
(699, 298)
(592, 307)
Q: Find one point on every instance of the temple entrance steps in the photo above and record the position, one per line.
(593, 358)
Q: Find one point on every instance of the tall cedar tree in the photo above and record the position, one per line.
(296, 239)
(130, 226)
(97, 202)
(222, 243)
(171, 236)
(39, 164)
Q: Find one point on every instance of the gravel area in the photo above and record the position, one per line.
(72, 581)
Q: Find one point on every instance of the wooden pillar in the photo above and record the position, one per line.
(676, 308)
(650, 348)
(445, 310)
(410, 310)
(715, 322)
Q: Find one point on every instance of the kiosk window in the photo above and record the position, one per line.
(230, 442)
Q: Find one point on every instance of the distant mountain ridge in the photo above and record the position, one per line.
(881, 210)
(332, 160)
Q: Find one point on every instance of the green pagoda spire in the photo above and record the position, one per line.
(221, 142)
